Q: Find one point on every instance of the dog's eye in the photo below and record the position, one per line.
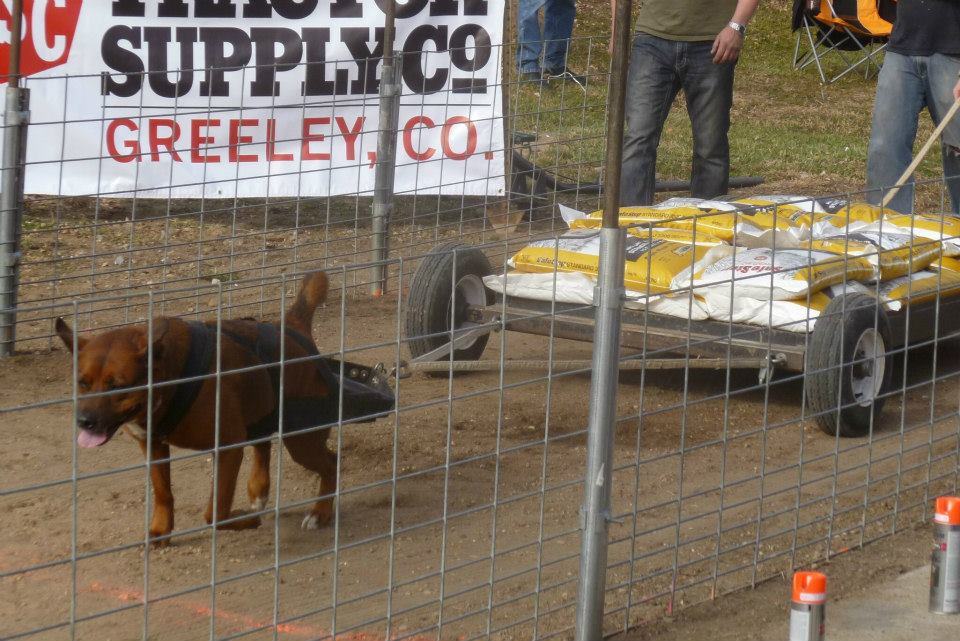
(83, 386)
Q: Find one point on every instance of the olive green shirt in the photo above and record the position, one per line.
(688, 20)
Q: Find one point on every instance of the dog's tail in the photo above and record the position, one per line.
(313, 291)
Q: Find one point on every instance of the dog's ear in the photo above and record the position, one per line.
(66, 335)
(160, 327)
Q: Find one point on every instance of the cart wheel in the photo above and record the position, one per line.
(427, 324)
(858, 376)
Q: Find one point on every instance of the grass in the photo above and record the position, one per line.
(802, 137)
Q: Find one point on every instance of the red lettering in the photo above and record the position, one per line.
(408, 138)
(350, 135)
(236, 140)
(132, 145)
(157, 141)
(305, 153)
(272, 155)
(196, 140)
(471, 138)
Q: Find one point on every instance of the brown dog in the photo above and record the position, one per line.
(112, 377)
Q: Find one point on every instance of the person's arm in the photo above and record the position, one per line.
(729, 42)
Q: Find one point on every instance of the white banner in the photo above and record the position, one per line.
(249, 98)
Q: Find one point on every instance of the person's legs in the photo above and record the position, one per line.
(942, 76)
(558, 18)
(896, 111)
(530, 38)
(652, 84)
(709, 91)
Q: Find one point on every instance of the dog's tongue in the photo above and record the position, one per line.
(90, 439)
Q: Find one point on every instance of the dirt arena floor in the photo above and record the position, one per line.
(458, 519)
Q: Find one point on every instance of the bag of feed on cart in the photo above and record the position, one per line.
(947, 264)
(650, 264)
(677, 235)
(858, 216)
(699, 216)
(892, 255)
(777, 274)
(798, 315)
(918, 287)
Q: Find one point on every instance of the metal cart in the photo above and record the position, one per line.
(847, 360)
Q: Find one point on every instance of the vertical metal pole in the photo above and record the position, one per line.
(608, 298)
(15, 118)
(386, 153)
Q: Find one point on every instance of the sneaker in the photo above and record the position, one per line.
(565, 73)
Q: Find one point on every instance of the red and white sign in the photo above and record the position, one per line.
(223, 98)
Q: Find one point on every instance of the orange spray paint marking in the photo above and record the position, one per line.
(245, 622)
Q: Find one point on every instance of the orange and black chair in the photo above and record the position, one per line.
(854, 32)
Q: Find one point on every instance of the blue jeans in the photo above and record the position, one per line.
(558, 18)
(906, 85)
(659, 68)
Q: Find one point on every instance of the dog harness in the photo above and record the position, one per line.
(360, 402)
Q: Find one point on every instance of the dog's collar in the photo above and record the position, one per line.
(196, 366)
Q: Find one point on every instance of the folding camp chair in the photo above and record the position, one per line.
(854, 31)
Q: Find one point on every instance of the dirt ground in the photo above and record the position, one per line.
(457, 516)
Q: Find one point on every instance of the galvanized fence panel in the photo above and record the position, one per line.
(456, 513)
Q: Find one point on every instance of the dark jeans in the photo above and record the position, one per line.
(558, 16)
(659, 68)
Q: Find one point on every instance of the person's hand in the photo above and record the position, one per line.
(727, 46)
(956, 90)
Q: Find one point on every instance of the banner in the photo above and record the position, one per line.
(250, 98)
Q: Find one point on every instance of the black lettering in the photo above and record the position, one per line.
(408, 10)
(475, 7)
(157, 39)
(214, 9)
(173, 9)
(257, 9)
(216, 59)
(268, 63)
(128, 8)
(294, 9)
(346, 9)
(413, 59)
(289, 9)
(356, 40)
(479, 53)
(315, 41)
(443, 8)
(121, 60)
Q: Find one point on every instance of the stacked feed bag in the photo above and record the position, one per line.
(772, 260)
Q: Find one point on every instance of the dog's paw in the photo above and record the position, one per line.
(314, 521)
(257, 504)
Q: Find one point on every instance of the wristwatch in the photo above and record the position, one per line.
(739, 28)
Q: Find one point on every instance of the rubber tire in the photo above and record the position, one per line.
(840, 325)
(428, 303)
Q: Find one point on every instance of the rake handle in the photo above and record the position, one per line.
(921, 154)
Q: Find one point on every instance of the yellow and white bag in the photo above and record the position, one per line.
(676, 235)
(798, 315)
(919, 287)
(775, 274)
(892, 255)
(649, 266)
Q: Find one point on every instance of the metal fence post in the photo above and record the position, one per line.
(15, 119)
(386, 153)
(608, 299)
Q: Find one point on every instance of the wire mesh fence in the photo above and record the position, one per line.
(449, 501)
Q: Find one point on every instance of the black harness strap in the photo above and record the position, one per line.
(197, 364)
